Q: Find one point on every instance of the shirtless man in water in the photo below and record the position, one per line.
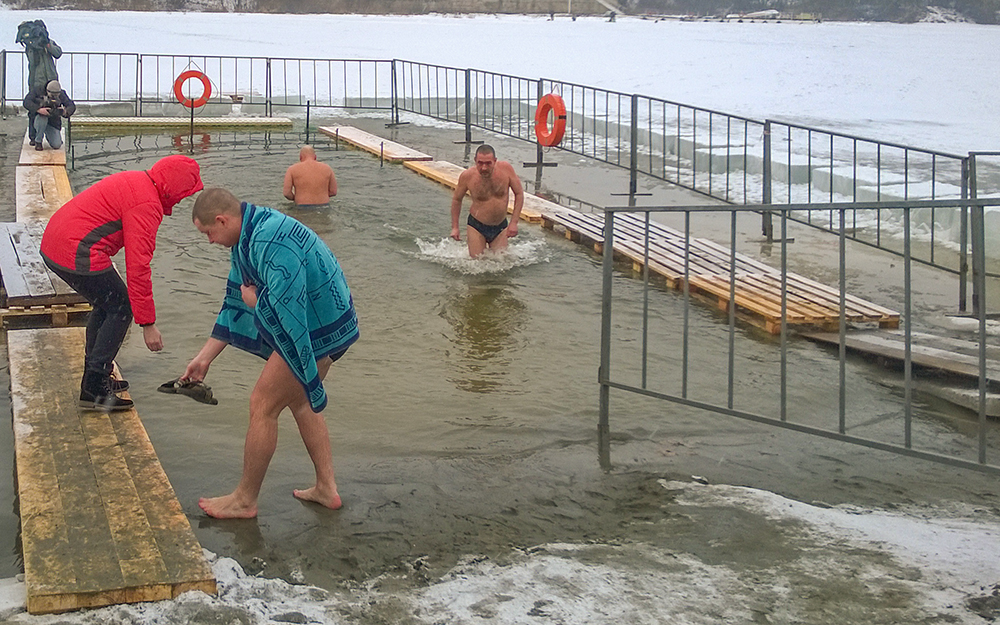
(489, 182)
(309, 183)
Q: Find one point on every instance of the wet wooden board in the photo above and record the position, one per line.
(47, 156)
(26, 280)
(757, 292)
(951, 355)
(389, 150)
(100, 523)
(447, 174)
(181, 122)
(41, 191)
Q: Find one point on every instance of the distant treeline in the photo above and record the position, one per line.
(981, 11)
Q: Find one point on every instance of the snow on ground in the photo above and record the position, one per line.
(939, 557)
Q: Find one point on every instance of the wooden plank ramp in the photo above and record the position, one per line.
(447, 174)
(100, 523)
(47, 156)
(389, 150)
(951, 355)
(181, 122)
(41, 191)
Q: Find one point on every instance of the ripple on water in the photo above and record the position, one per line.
(455, 255)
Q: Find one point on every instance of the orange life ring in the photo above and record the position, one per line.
(179, 83)
(546, 136)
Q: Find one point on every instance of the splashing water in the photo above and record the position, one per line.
(455, 255)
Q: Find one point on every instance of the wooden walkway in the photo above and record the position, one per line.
(181, 122)
(100, 523)
(758, 286)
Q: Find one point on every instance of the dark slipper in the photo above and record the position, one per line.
(197, 391)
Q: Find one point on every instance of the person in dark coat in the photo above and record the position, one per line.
(46, 107)
(42, 53)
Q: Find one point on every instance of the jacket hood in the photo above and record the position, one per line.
(175, 177)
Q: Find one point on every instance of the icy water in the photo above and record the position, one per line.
(464, 420)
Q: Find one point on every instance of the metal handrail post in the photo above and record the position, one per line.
(539, 157)
(633, 167)
(138, 85)
(395, 95)
(468, 105)
(267, 88)
(3, 86)
(767, 227)
(976, 240)
(963, 263)
(604, 371)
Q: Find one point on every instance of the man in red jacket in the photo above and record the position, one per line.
(123, 210)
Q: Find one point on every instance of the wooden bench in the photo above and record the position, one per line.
(100, 523)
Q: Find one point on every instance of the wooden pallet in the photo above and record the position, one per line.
(27, 282)
(100, 523)
(54, 316)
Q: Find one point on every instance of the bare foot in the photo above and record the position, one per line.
(331, 501)
(227, 508)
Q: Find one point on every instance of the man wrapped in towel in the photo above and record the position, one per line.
(287, 301)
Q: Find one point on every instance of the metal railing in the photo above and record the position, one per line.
(672, 377)
(146, 81)
(728, 157)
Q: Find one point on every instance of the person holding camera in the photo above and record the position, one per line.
(46, 106)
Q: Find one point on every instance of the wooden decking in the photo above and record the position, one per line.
(809, 303)
(758, 286)
(388, 150)
(181, 122)
(100, 523)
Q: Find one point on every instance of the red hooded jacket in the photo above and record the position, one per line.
(122, 210)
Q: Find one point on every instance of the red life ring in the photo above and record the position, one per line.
(546, 136)
(179, 83)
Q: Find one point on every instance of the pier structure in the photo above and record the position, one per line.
(100, 522)
(757, 291)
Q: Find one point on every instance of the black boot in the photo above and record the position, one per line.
(96, 394)
(117, 386)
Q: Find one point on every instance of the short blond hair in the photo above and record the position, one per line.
(214, 202)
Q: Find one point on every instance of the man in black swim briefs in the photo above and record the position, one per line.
(489, 182)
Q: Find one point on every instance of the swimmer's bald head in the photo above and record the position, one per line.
(213, 202)
(307, 153)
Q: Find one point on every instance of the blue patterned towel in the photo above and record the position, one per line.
(304, 307)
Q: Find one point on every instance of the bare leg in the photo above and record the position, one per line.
(477, 242)
(316, 436)
(499, 243)
(275, 389)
